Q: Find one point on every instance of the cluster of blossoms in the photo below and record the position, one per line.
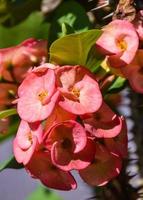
(66, 125)
(14, 63)
(19, 58)
(121, 42)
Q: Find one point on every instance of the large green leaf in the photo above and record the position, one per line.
(7, 113)
(33, 26)
(74, 49)
(43, 193)
(69, 12)
(94, 59)
(11, 163)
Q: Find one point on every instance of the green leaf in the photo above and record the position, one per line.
(94, 59)
(43, 193)
(7, 113)
(73, 49)
(66, 29)
(117, 85)
(71, 13)
(33, 26)
(11, 163)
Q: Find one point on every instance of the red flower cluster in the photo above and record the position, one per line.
(67, 126)
(14, 63)
(19, 58)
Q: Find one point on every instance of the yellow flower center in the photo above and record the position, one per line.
(75, 92)
(42, 96)
(121, 44)
(29, 136)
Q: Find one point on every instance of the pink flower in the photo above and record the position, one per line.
(120, 42)
(80, 92)
(104, 123)
(28, 137)
(67, 160)
(104, 167)
(41, 167)
(134, 72)
(69, 146)
(37, 95)
(19, 58)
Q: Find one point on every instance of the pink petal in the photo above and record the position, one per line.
(26, 132)
(28, 137)
(109, 42)
(90, 98)
(67, 78)
(106, 43)
(31, 110)
(35, 82)
(105, 130)
(119, 144)
(30, 107)
(24, 156)
(68, 132)
(68, 75)
(104, 123)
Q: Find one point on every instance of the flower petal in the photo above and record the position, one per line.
(42, 168)
(103, 169)
(90, 98)
(67, 160)
(21, 155)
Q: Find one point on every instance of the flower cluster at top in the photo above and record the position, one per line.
(121, 42)
(66, 125)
